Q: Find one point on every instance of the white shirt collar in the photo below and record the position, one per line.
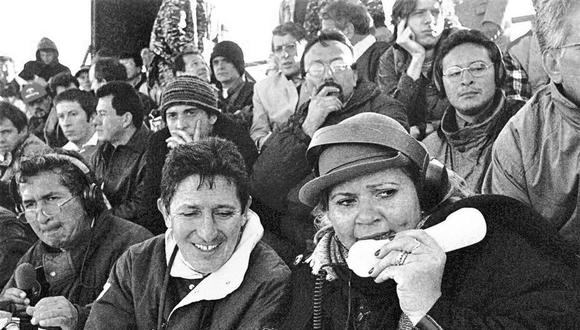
(225, 280)
(360, 47)
(91, 142)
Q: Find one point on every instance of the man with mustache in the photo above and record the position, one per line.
(281, 167)
(469, 71)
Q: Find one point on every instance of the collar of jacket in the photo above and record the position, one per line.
(225, 280)
(565, 106)
(474, 133)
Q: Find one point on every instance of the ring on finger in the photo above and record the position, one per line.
(402, 257)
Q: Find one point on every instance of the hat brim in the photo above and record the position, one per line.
(310, 193)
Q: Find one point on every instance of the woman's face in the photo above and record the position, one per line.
(384, 202)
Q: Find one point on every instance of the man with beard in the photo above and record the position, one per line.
(282, 167)
(38, 104)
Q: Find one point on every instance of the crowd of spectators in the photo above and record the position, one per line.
(206, 199)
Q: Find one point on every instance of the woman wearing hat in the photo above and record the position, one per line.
(375, 181)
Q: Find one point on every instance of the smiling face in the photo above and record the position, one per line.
(62, 229)
(379, 203)
(469, 95)
(207, 222)
(426, 22)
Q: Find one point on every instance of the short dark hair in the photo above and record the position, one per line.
(86, 100)
(125, 99)
(461, 37)
(291, 28)
(179, 64)
(11, 112)
(323, 38)
(342, 12)
(403, 8)
(109, 69)
(71, 176)
(136, 57)
(209, 159)
(62, 79)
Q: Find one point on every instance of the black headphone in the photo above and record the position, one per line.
(91, 195)
(434, 181)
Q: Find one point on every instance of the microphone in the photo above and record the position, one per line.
(461, 228)
(25, 277)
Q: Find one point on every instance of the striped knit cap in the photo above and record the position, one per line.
(189, 90)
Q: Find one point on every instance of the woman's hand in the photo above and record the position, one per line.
(416, 262)
(406, 39)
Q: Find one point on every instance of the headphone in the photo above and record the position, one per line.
(91, 195)
(465, 36)
(433, 178)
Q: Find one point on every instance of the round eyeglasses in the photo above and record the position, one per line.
(49, 208)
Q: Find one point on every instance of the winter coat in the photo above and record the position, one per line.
(535, 160)
(521, 275)
(467, 150)
(122, 172)
(79, 274)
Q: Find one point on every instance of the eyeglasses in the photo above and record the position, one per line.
(317, 69)
(476, 69)
(49, 208)
(196, 215)
(288, 48)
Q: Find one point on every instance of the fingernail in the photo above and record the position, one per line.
(372, 270)
(377, 253)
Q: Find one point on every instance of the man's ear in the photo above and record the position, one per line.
(212, 119)
(552, 61)
(246, 210)
(163, 210)
(127, 119)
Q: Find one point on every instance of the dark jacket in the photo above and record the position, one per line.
(82, 283)
(467, 150)
(122, 171)
(16, 237)
(521, 275)
(367, 64)
(281, 168)
(133, 298)
(240, 100)
(157, 152)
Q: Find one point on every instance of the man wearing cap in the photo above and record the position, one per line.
(38, 104)
(281, 167)
(46, 64)
(227, 72)
(189, 108)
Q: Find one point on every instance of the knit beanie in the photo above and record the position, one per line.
(232, 52)
(189, 90)
(46, 43)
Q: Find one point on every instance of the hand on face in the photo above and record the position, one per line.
(321, 105)
(179, 136)
(419, 276)
(54, 312)
(406, 39)
(17, 297)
